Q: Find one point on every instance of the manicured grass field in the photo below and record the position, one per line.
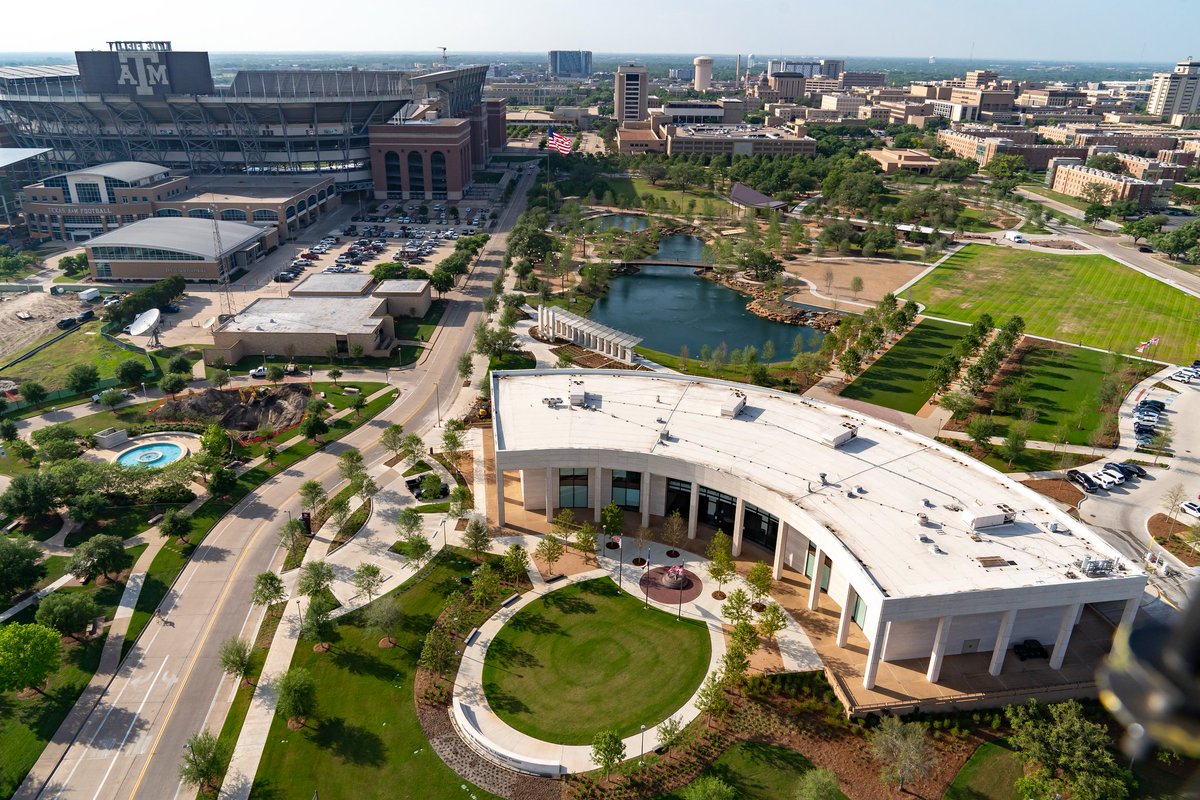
(589, 657)
(365, 740)
(421, 329)
(989, 774)
(758, 771)
(899, 378)
(1085, 299)
(49, 367)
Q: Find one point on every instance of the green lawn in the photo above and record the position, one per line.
(1029, 461)
(628, 192)
(977, 220)
(1084, 299)
(1065, 199)
(365, 740)
(85, 345)
(421, 329)
(757, 771)
(898, 379)
(989, 774)
(589, 657)
(512, 361)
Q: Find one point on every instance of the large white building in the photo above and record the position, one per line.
(1175, 92)
(930, 553)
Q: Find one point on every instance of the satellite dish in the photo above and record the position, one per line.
(145, 322)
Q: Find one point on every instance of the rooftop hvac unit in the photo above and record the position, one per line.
(840, 434)
(664, 435)
(1002, 515)
(578, 396)
(733, 405)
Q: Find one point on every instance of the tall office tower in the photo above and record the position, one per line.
(630, 90)
(570, 63)
(703, 79)
(832, 67)
(1176, 92)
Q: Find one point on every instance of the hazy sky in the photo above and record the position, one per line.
(1057, 30)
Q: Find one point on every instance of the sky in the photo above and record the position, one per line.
(1055, 30)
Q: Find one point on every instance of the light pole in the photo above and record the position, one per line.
(642, 749)
(621, 556)
(144, 397)
(437, 394)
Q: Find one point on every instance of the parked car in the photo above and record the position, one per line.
(1183, 376)
(1126, 470)
(1137, 469)
(1082, 481)
(258, 372)
(414, 482)
(67, 323)
(125, 395)
(170, 308)
(1157, 405)
(1190, 507)
(1103, 479)
(85, 315)
(1116, 474)
(1145, 249)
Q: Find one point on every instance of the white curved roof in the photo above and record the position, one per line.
(778, 442)
(183, 234)
(128, 171)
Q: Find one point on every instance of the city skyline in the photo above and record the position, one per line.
(709, 30)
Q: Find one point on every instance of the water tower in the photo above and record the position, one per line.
(702, 81)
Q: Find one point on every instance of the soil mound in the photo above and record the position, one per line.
(276, 408)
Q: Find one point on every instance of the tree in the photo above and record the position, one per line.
(314, 427)
(438, 652)
(1067, 752)
(32, 392)
(452, 441)
(466, 367)
(317, 620)
(460, 501)
(819, 783)
(416, 549)
(671, 733)
(296, 695)
(856, 286)
(219, 379)
(131, 372)
(771, 621)
(20, 566)
(82, 377)
(67, 613)
(29, 654)
(291, 534)
(515, 563)
(549, 550)
(674, 529)
(100, 555)
(237, 659)
(334, 373)
(172, 384)
(386, 616)
(612, 520)
(585, 540)
(412, 447)
(367, 579)
(850, 361)
(8, 429)
(408, 522)
(1014, 442)
(981, 429)
(315, 577)
(904, 749)
(736, 607)
(607, 750)
(959, 404)
(431, 486)
(268, 590)
(392, 438)
(485, 585)
(441, 281)
(350, 465)
(204, 760)
(712, 699)
(1171, 501)
(761, 580)
(708, 787)
(312, 495)
(476, 538)
(1094, 212)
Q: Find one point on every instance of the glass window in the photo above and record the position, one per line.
(717, 509)
(627, 489)
(859, 614)
(573, 487)
(265, 215)
(760, 527)
(88, 192)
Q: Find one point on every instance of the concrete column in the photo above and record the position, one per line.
(871, 669)
(846, 617)
(1130, 612)
(1064, 636)
(645, 500)
(1002, 638)
(499, 497)
(598, 502)
(594, 490)
(780, 549)
(549, 494)
(693, 510)
(939, 650)
(814, 590)
(739, 522)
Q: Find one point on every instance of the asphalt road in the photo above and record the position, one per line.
(170, 685)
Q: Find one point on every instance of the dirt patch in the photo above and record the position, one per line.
(571, 563)
(1064, 492)
(1061, 244)
(879, 275)
(45, 310)
(245, 410)
(1179, 532)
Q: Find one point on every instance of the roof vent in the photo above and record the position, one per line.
(937, 551)
(839, 434)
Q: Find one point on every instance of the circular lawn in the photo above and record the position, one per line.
(589, 657)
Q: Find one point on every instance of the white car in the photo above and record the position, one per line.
(258, 372)
(1103, 478)
(1182, 376)
(1190, 507)
(1116, 475)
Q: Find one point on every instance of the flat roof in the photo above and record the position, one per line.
(778, 442)
(339, 283)
(337, 315)
(15, 155)
(40, 71)
(231, 188)
(398, 286)
(714, 131)
(182, 234)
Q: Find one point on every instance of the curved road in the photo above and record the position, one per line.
(170, 682)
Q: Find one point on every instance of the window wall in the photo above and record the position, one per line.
(627, 489)
(573, 487)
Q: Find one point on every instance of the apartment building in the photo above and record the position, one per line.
(845, 104)
(1071, 177)
(1175, 92)
(631, 88)
(977, 145)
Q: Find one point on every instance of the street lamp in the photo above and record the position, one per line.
(144, 397)
(642, 749)
(437, 394)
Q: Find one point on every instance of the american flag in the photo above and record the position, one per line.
(558, 143)
(1144, 346)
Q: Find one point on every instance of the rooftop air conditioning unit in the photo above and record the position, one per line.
(840, 434)
(733, 405)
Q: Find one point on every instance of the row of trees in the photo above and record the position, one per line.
(859, 338)
(943, 373)
(981, 372)
(156, 295)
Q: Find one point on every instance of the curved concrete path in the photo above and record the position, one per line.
(486, 731)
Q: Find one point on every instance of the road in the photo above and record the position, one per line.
(170, 685)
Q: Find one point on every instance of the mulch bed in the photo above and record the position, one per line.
(1160, 528)
(1063, 491)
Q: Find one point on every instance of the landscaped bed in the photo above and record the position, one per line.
(900, 378)
(589, 657)
(1083, 299)
(757, 771)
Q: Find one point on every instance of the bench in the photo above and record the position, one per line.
(157, 518)
(95, 627)
(351, 390)
(556, 578)
(510, 600)
(12, 526)
(472, 635)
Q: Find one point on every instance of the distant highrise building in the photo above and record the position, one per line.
(630, 92)
(703, 79)
(570, 63)
(1176, 92)
(823, 68)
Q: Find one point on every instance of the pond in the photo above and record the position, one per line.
(626, 222)
(670, 307)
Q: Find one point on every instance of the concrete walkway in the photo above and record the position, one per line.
(496, 740)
